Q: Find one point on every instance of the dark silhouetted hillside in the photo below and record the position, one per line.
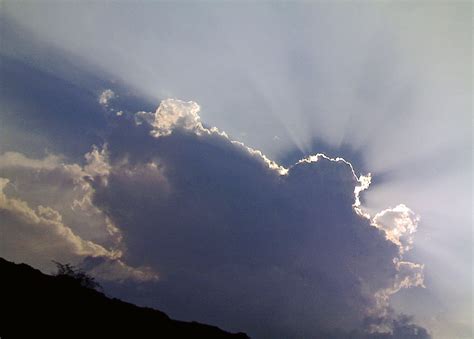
(36, 305)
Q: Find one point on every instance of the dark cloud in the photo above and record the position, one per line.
(375, 95)
(206, 228)
(243, 243)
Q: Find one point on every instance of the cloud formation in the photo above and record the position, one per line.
(47, 214)
(368, 82)
(216, 230)
(40, 230)
(245, 243)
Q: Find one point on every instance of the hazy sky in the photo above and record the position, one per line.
(386, 85)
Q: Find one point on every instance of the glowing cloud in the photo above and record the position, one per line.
(65, 217)
(195, 205)
(106, 96)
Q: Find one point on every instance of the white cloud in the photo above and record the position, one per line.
(106, 96)
(399, 224)
(177, 114)
(408, 275)
(14, 159)
(144, 117)
(50, 237)
(49, 214)
(173, 113)
(97, 163)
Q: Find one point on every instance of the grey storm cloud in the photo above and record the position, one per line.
(387, 86)
(247, 244)
(209, 229)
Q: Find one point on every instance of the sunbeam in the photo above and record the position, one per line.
(384, 87)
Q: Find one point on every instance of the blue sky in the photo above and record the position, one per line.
(387, 86)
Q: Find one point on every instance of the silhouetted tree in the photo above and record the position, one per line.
(74, 273)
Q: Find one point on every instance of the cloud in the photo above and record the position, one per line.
(106, 96)
(376, 98)
(117, 270)
(41, 232)
(399, 223)
(97, 163)
(245, 243)
(47, 214)
(176, 113)
(14, 159)
(214, 230)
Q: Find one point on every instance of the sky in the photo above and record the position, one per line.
(295, 169)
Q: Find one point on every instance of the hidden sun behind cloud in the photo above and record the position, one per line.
(215, 231)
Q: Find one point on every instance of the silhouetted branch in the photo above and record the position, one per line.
(74, 273)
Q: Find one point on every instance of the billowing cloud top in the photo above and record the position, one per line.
(48, 214)
(366, 82)
(288, 246)
(176, 113)
(235, 239)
